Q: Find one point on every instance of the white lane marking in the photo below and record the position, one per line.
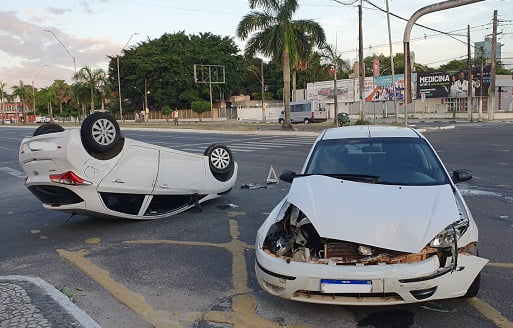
(12, 172)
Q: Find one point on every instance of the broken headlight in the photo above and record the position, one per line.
(450, 235)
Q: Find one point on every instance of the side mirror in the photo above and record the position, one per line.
(287, 176)
(461, 175)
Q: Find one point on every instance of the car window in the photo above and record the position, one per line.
(405, 161)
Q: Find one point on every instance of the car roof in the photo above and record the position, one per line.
(366, 131)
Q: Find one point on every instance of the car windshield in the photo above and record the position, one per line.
(400, 161)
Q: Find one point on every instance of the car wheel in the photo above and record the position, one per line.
(48, 128)
(474, 287)
(306, 121)
(220, 158)
(100, 133)
(280, 121)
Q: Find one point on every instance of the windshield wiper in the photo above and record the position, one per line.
(352, 177)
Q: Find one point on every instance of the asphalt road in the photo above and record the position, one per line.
(195, 269)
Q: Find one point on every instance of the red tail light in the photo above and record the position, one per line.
(69, 178)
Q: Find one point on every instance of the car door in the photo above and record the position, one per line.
(180, 173)
(135, 173)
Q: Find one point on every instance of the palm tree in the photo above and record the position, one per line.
(329, 52)
(276, 36)
(90, 77)
(63, 92)
(21, 92)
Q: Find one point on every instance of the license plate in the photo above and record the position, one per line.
(346, 286)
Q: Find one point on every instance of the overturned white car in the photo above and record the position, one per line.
(95, 171)
(374, 218)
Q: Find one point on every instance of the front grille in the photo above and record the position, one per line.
(54, 195)
(382, 297)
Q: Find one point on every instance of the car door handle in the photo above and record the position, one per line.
(118, 180)
(165, 186)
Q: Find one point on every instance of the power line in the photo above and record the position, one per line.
(424, 26)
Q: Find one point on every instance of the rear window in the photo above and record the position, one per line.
(404, 161)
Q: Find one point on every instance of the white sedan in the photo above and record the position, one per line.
(95, 171)
(374, 218)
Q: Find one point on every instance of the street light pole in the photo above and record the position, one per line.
(69, 53)
(34, 92)
(119, 78)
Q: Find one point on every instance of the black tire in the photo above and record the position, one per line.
(100, 133)
(48, 128)
(220, 159)
(474, 287)
(306, 121)
(280, 121)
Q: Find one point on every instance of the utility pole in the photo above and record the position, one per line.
(470, 87)
(262, 87)
(481, 85)
(361, 66)
(493, 69)
(392, 64)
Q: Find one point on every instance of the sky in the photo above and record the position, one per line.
(91, 30)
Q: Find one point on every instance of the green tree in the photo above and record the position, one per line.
(200, 106)
(92, 78)
(22, 92)
(166, 110)
(167, 64)
(335, 61)
(276, 35)
(63, 92)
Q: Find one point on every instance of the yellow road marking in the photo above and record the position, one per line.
(500, 265)
(92, 241)
(489, 312)
(243, 306)
(134, 301)
(234, 214)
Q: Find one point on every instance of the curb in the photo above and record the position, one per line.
(64, 302)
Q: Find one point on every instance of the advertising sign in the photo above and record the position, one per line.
(384, 88)
(452, 84)
(323, 91)
(375, 67)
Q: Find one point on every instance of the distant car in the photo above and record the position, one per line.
(95, 171)
(42, 119)
(373, 218)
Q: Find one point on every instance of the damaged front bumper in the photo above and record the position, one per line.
(384, 284)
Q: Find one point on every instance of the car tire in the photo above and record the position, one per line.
(48, 128)
(100, 133)
(220, 159)
(474, 287)
(306, 121)
(280, 121)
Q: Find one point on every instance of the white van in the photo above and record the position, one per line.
(307, 111)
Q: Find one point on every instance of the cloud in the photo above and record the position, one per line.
(57, 11)
(27, 47)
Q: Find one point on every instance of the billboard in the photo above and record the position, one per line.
(452, 84)
(324, 92)
(384, 88)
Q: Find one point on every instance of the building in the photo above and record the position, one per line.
(484, 49)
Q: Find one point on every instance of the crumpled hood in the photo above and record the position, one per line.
(401, 218)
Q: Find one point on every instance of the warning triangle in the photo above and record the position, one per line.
(271, 177)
